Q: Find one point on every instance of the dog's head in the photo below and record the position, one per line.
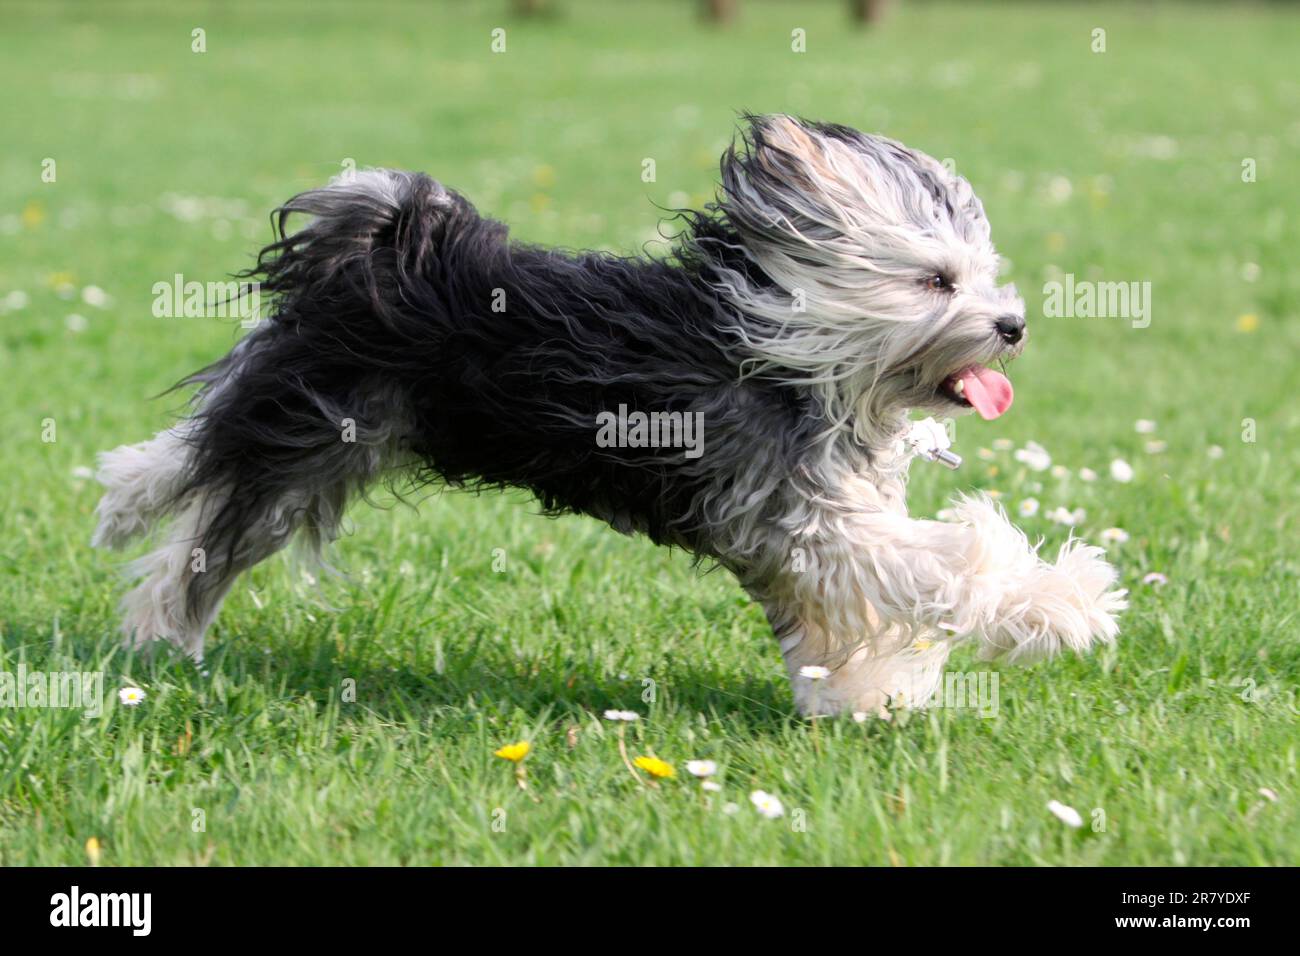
(869, 274)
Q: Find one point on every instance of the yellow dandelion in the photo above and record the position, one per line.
(33, 214)
(93, 850)
(514, 752)
(544, 176)
(656, 767)
(1248, 322)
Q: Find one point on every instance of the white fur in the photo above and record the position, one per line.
(886, 596)
(156, 609)
(140, 481)
(849, 233)
(849, 228)
(162, 605)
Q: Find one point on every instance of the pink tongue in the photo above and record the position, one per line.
(989, 391)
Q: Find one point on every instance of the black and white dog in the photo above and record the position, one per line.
(840, 281)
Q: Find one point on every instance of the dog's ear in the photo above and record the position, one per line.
(788, 180)
(788, 149)
(775, 177)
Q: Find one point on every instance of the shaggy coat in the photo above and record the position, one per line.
(840, 282)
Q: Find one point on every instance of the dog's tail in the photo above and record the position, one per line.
(371, 233)
(369, 230)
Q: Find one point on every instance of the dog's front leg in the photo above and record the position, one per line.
(829, 675)
(1019, 606)
(882, 596)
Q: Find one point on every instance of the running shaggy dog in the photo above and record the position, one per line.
(840, 282)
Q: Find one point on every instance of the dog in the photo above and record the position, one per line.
(839, 283)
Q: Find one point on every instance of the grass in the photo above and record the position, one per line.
(1123, 165)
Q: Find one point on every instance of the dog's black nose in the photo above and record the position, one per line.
(1011, 328)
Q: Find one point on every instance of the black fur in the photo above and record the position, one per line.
(382, 312)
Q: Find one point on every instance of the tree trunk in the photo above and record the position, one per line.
(868, 11)
(719, 11)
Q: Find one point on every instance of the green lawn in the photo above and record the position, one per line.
(1124, 165)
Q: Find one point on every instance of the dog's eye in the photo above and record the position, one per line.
(938, 283)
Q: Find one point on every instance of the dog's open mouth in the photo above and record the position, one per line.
(980, 388)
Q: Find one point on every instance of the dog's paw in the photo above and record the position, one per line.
(1069, 605)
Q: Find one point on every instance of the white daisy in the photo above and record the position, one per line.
(711, 785)
(1144, 426)
(130, 696)
(1114, 535)
(1156, 447)
(1002, 444)
(82, 472)
(1067, 815)
(1059, 189)
(628, 715)
(1087, 474)
(701, 768)
(814, 672)
(94, 295)
(1121, 470)
(1214, 452)
(1155, 578)
(1063, 515)
(1034, 456)
(766, 804)
(1028, 508)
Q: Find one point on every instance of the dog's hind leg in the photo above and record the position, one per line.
(184, 581)
(160, 606)
(221, 532)
(271, 462)
(141, 483)
(299, 416)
